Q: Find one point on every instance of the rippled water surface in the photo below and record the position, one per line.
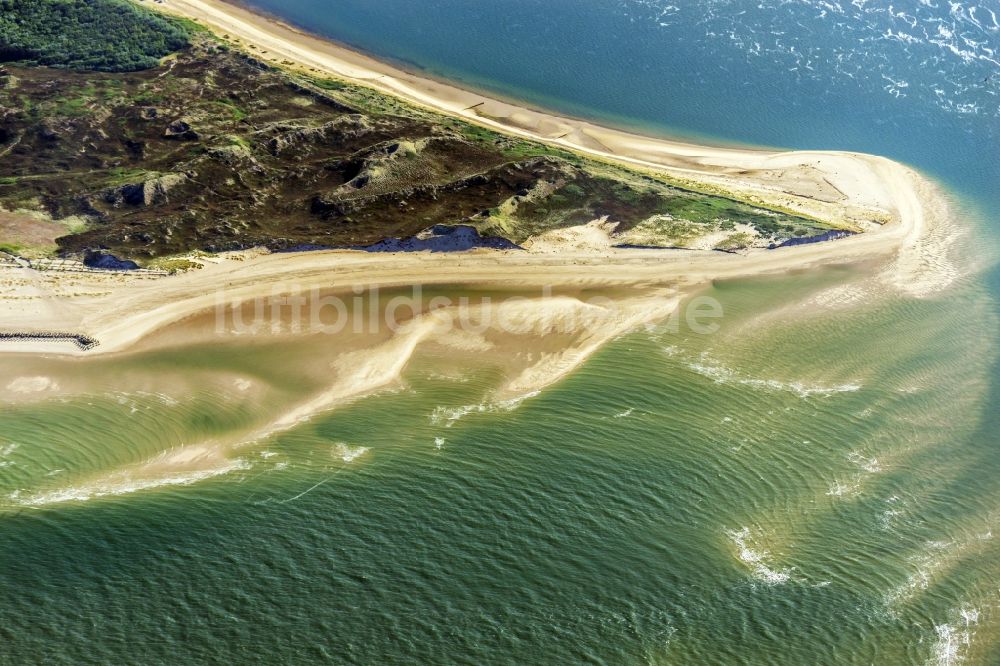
(816, 482)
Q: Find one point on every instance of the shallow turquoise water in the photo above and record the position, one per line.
(682, 498)
(817, 482)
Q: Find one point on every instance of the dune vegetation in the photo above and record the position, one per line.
(214, 149)
(102, 35)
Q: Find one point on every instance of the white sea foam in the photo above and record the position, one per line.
(839, 489)
(723, 375)
(448, 416)
(349, 453)
(870, 465)
(969, 615)
(953, 638)
(123, 485)
(925, 564)
(5, 451)
(936, 557)
(756, 559)
(947, 647)
(888, 517)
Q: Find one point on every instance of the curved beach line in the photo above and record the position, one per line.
(833, 185)
(849, 187)
(826, 185)
(121, 314)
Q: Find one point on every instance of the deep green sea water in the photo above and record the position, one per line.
(816, 482)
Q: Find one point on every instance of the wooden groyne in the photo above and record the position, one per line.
(83, 342)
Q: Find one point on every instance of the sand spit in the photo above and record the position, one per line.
(536, 341)
(118, 311)
(853, 188)
(904, 216)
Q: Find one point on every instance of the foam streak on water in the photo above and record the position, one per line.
(817, 482)
(121, 486)
(720, 374)
(755, 558)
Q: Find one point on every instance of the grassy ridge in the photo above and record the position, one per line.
(217, 150)
(103, 35)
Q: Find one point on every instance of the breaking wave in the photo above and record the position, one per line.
(349, 453)
(952, 639)
(448, 416)
(123, 486)
(723, 375)
(756, 559)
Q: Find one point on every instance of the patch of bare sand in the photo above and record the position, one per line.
(534, 341)
(904, 216)
(29, 233)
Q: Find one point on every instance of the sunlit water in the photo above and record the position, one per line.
(816, 482)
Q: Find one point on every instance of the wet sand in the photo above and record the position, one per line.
(903, 216)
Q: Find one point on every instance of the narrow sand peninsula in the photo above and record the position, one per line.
(851, 188)
(120, 310)
(829, 185)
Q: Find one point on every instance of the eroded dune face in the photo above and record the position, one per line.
(532, 339)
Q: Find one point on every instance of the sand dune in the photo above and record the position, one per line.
(829, 185)
(905, 217)
(850, 187)
(120, 311)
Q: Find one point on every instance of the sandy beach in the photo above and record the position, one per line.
(118, 310)
(903, 216)
(314, 349)
(834, 186)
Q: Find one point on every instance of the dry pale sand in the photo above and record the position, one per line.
(851, 188)
(119, 310)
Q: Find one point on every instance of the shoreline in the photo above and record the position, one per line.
(120, 310)
(828, 185)
(484, 90)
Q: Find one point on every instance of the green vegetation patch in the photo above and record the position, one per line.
(329, 84)
(103, 35)
(232, 108)
(173, 264)
(214, 150)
